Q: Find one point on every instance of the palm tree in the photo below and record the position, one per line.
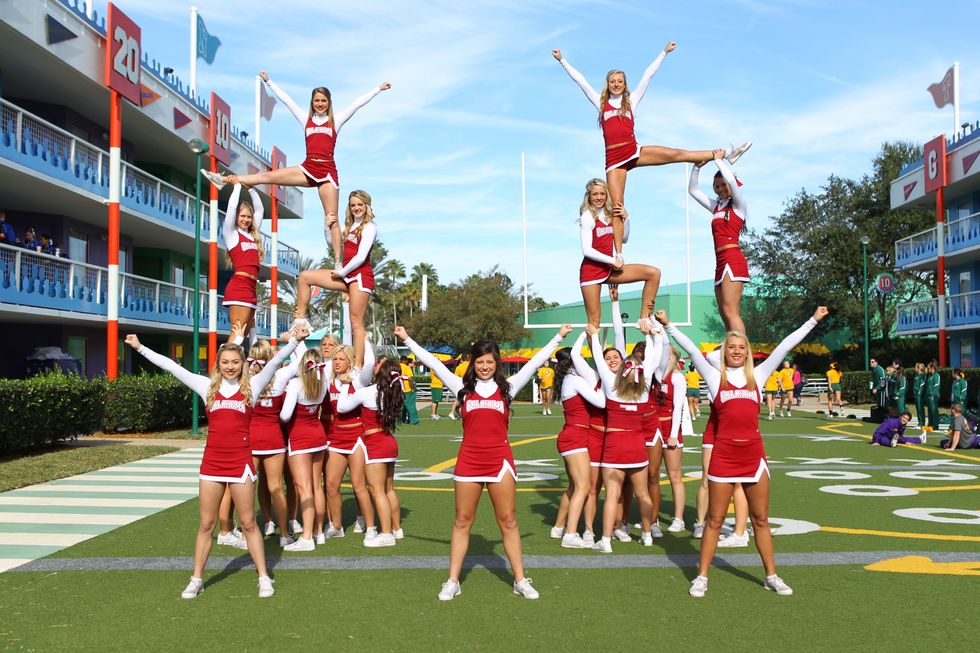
(427, 269)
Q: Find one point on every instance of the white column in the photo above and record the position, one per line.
(213, 292)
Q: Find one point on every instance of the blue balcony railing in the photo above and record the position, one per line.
(962, 310)
(960, 234)
(41, 281)
(37, 144)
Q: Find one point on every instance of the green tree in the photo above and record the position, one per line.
(811, 254)
(485, 305)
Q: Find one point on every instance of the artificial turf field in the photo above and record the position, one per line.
(865, 578)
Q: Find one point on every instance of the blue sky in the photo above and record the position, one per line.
(817, 85)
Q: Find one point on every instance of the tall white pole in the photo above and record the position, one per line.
(258, 111)
(193, 81)
(687, 226)
(956, 98)
(524, 230)
(425, 292)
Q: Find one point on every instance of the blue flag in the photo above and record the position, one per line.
(207, 45)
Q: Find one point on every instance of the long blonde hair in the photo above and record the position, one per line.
(672, 359)
(253, 230)
(586, 204)
(368, 213)
(243, 376)
(625, 107)
(311, 378)
(630, 383)
(749, 363)
(261, 351)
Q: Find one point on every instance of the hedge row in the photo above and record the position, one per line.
(52, 407)
(855, 386)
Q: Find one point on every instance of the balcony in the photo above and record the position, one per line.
(35, 143)
(961, 236)
(35, 280)
(962, 312)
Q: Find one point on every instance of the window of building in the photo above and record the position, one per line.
(178, 276)
(966, 281)
(122, 259)
(78, 247)
(77, 347)
(966, 352)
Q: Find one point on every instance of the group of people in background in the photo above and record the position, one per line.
(43, 244)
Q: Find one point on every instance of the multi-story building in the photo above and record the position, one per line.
(960, 236)
(54, 178)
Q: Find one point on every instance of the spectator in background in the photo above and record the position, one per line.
(890, 389)
(46, 245)
(919, 393)
(959, 388)
(7, 235)
(962, 436)
(799, 380)
(435, 387)
(410, 415)
(834, 375)
(786, 390)
(878, 391)
(30, 241)
(932, 394)
(891, 432)
(899, 389)
(693, 392)
(546, 383)
(772, 389)
(460, 370)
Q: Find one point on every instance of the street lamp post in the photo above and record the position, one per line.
(864, 251)
(198, 147)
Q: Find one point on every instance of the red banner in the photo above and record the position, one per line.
(942, 92)
(220, 131)
(278, 161)
(934, 159)
(123, 53)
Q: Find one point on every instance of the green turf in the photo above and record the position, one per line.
(835, 606)
(69, 461)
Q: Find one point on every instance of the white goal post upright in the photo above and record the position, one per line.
(687, 229)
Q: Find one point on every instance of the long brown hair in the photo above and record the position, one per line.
(391, 398)
(325, 91)
(482, 348)
(631, 384)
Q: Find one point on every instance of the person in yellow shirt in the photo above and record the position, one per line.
(459, 371)
(410, 415)
(786, 386)
(435, 386)
(693, 392)
(546, 383)
(772, 389)
(834, 375)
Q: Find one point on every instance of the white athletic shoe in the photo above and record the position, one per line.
(922, 438)
(380, 539)
(359, 525)
(295, 527)
(602, 545)
(231, 539)
(436, 417)
(332, 532)
(697, 415)
(399, 534)
(216, 179)
(452, 416)
(450, 590)
(646, 539)
(370, 535)
(195, 587)
(676, 526)
(777, 585)
(557, 532)
(588, 538)
(300, 545)
(789, 413)
(285, 541)
(572, 541)
(698, 586)
(270, 528)
(320, 538)
(734, 541)
(265, 587)
(620, 534)
(772, 416)
(735, 152)
(698, 531)
(523, 588)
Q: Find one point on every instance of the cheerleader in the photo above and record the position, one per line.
(729, 215)
(346, 449)
(380, 405)
(356, 277)
(578, 396)
(739, 537)
(617, 106)
(623, 448)
(599, 265)
(485, 457)
(240, 231)
(738, 455)
(319, 169)
(229, 395)
(307, 443)
(668, 443)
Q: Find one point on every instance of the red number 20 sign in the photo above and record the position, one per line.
(123, 54)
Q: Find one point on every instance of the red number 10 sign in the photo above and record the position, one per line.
(220, 134)
(123, 54)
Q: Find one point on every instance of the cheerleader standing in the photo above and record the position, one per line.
(738, 455)
(321, 129)
(229, 395)
(668, 445)
(617, 106)
(485, 457)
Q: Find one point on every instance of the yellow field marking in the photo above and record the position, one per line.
(947, 488)
(917, 447)
(446, 464)
(912, 536)
(924, 565)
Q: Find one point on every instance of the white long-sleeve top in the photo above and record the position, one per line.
(583, 369)
(615, 100)
(285, 374)
(609, 377)
(369, 232)
(302, 115)
(587, 225)
(200, 384)
(294, 390)
(573, 384)
(679, 383)
(230, 232)
(736, 375)
(484, 388)
(619, 331)
(295, 395)
(737, 199)
(367, 397)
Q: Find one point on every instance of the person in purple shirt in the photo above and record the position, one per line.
(892, 432)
